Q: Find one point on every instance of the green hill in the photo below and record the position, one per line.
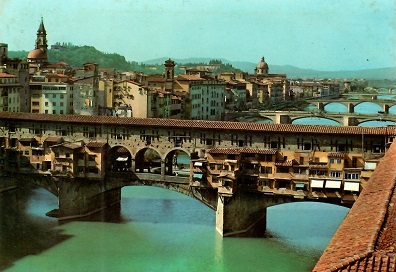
(76, 56)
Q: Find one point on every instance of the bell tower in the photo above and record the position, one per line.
(169, 74)
(41, 41)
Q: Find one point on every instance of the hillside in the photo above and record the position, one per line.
(295, 72)
(76, 56)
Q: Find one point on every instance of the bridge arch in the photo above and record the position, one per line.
(120, 159)
(319, 117)
(171, 165)
(386, 122)
(148, 159)
(340, 107)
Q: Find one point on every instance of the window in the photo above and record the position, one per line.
(331, 160)
(307, 146)
(67, 155)
(335, 174)
(266, 170)
(46, 104)
(351, 176)
(274, 144)
(338, 161)
(54, 104)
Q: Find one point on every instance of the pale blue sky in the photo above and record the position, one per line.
(317, 34)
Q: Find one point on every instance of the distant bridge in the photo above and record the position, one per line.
(344, 119)
(351, 104)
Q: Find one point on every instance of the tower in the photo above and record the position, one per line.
(39, 54)
(169, 74)
(41, 41)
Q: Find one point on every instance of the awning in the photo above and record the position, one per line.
(197, 163)
(351, 186)
(122, 159)
(300, 185)
(335, 184)
(317, 183)
(197, 175)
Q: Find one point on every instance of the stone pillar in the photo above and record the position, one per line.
(321, 106)
(282, 119)
(82, 198)
(386, 108)
(163, 168)
(351, 108)
(350, 121)
(244, 214)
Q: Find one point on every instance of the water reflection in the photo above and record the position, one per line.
(24, 229)
(377, 124)
(315, 121)
(336, 107)
(367, 108)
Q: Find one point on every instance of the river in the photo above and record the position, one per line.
(160, 230)
(157, 230)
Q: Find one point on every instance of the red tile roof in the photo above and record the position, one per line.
(96, 144)
(198, 124)
(241, 150)
(6, 75)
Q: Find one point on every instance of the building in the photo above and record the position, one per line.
(86, 90)
(131, 99)
(10, 98)
(51, 98)
(203, 99)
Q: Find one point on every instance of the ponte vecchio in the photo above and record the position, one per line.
(236, 168)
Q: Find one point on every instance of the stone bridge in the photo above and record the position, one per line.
(237, 169)
(344, 119)
(351, 104)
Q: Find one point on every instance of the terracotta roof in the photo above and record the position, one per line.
(241, 150)
(27, 140)
(198, 124)
(6, 75)
(53, 139)
(96, 144)
(188, 77)
(287, 163)
(223, 151)
(68, 145)
(336, 154)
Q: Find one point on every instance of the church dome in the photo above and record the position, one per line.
(262, 64)
(37, 54)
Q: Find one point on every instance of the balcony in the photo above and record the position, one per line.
(225, 190)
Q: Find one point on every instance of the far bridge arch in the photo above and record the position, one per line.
(172, 166)
(336, 103)
(120, 159)
(321, 117)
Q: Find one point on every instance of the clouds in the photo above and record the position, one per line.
(326, 35)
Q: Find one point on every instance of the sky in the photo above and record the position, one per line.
(329, 35)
